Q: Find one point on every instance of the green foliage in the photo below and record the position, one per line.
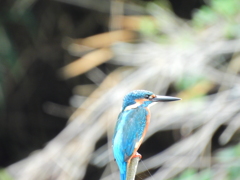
(225, 8)
(4, 175)
(229, 154)
(188, 174)
(205, 175)
(148, 27)
(9, 60)
(204, 17)
(221, 12)
(227, 158)
(233, 172)
(187, 81)
(231, 157)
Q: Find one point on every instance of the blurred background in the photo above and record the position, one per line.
(65, 66)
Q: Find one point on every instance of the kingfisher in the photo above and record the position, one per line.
(132, 125)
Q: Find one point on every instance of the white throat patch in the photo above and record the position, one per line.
(133, 106)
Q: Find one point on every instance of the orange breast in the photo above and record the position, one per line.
(147, 122)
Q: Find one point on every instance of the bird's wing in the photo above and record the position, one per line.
(129, 130)
(117, 126)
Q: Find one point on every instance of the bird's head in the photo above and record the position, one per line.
(145, 98)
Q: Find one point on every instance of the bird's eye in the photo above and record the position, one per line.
(147, 96)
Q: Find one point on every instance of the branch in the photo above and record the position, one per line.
(132, 168)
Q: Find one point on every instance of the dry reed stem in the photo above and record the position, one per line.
(132, 169)
(86, 63)
(107, 39)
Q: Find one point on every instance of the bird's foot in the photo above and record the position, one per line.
(137, 155)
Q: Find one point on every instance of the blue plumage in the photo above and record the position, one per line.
(127, 133)
(132, 125)
(129, 129)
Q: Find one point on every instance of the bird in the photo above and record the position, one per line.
(132, 125)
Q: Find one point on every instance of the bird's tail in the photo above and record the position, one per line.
(123, 171)
(123, 176)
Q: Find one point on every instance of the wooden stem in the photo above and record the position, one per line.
(132, 168)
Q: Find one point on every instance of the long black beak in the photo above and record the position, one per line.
(164, 99)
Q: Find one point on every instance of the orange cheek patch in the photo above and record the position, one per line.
(140, 101)
(152, 96)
